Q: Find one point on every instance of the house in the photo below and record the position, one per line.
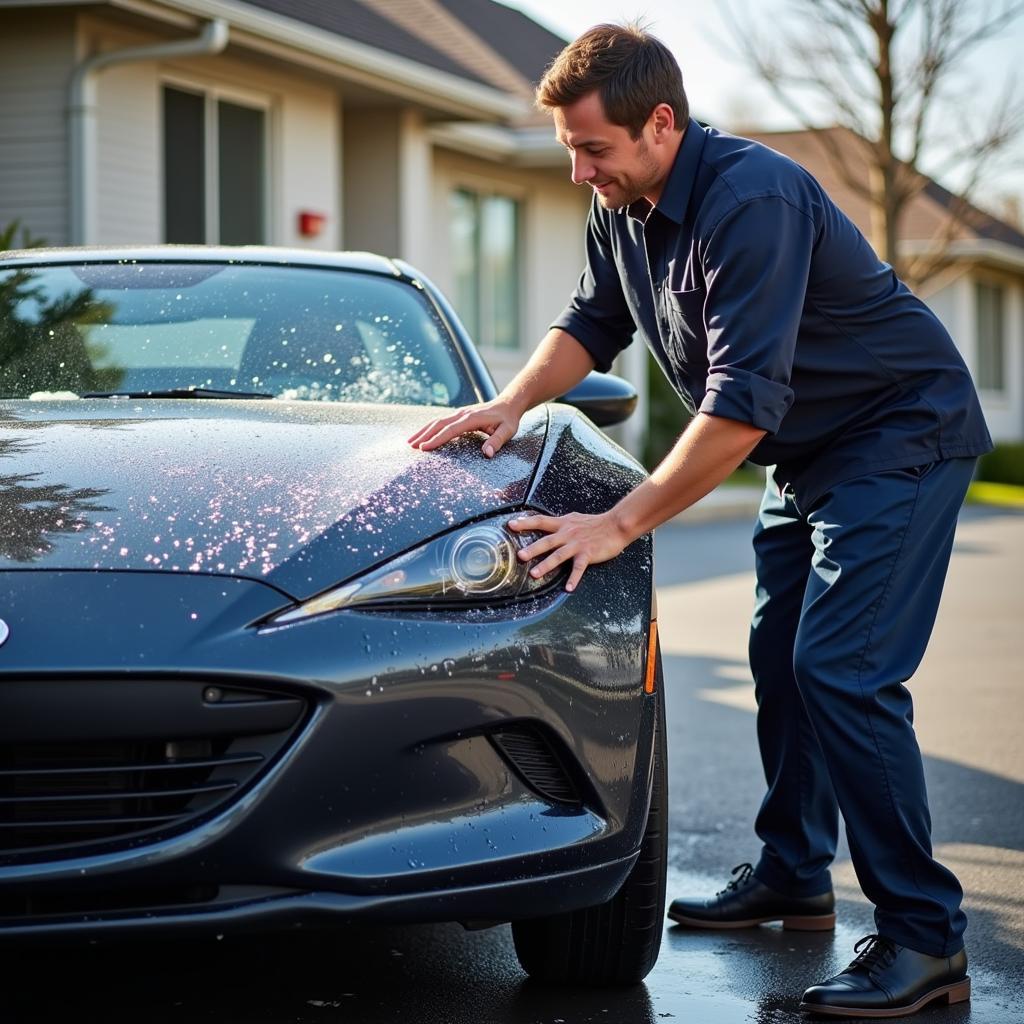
(401, 126)
(404, 127)
(977, 289)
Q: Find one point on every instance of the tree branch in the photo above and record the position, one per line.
(885, 69)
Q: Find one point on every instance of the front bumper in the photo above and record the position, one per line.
(237, 910)
(389, 799)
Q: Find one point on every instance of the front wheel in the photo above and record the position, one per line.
(615, 943)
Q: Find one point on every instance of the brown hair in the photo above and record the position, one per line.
(631, 70)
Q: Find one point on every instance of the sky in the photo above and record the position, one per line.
(720, 88)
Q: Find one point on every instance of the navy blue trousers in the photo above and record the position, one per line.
(847, 594)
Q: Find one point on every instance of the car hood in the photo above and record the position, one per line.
(299, 495)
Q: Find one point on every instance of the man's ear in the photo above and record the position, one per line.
(663, 121)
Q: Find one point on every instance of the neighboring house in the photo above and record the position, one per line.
(978, 287)
(405, 127)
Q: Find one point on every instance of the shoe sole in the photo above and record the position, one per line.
(958, 992)
(790, 922)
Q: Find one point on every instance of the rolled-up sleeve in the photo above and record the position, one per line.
(597, 315)
(756, 262)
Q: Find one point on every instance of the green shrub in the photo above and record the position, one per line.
(667, 416)
(9, 233)
(1005, 465)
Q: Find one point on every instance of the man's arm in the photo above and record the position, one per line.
(559, 363)
(755, 261)
(706, 453)
(709, 449)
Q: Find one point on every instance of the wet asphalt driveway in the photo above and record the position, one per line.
(970, 711)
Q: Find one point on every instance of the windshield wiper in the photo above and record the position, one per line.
(178, 393)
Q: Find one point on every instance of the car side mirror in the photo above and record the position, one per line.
(605, 398)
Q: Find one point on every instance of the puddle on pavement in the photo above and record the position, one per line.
(756, 976)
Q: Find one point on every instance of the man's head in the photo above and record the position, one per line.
(619, 108)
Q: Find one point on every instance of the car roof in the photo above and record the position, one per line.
(365, 262)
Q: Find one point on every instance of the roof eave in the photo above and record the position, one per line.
(346, 59)
(972, 250)
(520, 147)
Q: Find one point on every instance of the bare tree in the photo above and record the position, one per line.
(891, 72)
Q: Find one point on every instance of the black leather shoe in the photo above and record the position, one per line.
(745, 902)
(888, 980)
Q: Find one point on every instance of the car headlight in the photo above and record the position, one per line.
(475, 562)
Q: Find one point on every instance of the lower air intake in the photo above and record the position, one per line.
(536, 760)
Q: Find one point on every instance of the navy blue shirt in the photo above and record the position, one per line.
(763, 303)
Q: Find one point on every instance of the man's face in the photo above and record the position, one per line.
(619, 168)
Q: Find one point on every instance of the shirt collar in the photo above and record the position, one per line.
(675, 197)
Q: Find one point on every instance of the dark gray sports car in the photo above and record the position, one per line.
(262, 664)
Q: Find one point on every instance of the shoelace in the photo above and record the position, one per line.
(880, 952)
(745, 870)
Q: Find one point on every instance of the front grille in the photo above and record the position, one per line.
(537, 761)
(58, 795)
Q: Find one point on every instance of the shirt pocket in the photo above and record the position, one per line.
(688, 341)
(687, 346)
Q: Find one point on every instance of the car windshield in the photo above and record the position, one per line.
(292, 333)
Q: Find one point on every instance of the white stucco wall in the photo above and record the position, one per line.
(371, 181)
(416, 227)
(36, 57)
(308, 122)
(128, 153)
(954, 304)
(1014, 424)
(1004, 410)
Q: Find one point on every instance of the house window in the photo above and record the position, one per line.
(989, 301)
(485, 257)
(214, 169)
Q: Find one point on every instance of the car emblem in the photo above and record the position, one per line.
(5, 632)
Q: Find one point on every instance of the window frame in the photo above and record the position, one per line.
(1000, 285)
(482, 189)
(212, 94)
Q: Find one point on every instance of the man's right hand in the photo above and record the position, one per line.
(498, 419)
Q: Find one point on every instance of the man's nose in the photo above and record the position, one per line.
(582, 169)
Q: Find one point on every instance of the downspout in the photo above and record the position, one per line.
(82, 116)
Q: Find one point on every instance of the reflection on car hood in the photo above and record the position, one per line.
(300, 495)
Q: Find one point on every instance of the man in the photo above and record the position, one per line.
(797, 348)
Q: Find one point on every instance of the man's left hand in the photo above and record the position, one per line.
(584, 539)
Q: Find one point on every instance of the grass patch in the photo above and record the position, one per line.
(983, 492)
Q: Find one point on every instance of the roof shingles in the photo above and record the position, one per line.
(528, 46)
(357, 21)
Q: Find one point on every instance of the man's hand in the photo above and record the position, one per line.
(558, 363)
(585, 539)
(707, 452)
(497, 418)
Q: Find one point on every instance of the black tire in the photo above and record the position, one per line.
(615, 943)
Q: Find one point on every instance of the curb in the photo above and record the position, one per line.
(984, 492)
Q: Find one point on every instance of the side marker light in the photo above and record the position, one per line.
(652, 657)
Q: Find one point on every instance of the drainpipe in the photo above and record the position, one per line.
(82, 116)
